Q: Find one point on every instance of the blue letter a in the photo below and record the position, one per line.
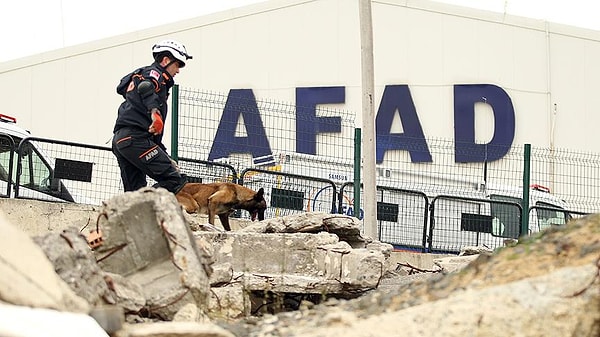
(241, 102)
(398, 98)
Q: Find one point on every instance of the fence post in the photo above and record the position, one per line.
(175, 123)
(526, 183)
(357, 163)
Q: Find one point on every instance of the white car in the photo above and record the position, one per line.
(36, 178)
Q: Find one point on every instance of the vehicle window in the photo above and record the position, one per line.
(7, 146)
(549, 215)
(507, 217)
(35, 172)
(5, 153)
(4, 165)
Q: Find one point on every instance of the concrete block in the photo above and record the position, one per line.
(362, 268)
(329, 259)
(229, 302)
(148, 241)
(28, 277)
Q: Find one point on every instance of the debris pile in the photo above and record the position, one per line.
(146, 273)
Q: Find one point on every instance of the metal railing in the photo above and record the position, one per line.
(288, 193)
(56, 170)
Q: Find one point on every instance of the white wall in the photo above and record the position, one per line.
(279, 45)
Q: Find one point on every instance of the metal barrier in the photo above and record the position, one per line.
(7, 155)
(456, 222)
(291, 193)
(54, 170)
(203, 171)
(402, 216)
(544, 217)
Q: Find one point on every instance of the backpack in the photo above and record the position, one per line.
(124, 83)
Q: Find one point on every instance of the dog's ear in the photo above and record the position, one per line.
(259, 194)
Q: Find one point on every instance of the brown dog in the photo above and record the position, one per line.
(222, 199)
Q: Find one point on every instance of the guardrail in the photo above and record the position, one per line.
(55, 170)
(402, 215)
(291, 193)
(456, 222)
(207, 171)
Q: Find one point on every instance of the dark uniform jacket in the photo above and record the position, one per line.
(134, 112)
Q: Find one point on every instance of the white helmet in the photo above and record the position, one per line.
(175, 48)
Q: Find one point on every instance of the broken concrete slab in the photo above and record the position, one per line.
(129, 295)
(229, 302)
(362, 269)
(222, 274)
(345, 227)
(267, 253)
(28, 277)
(148, 241)
(75, 263)
(26, 321)
(191, 313)
(452, 264)
(183, 329)
(268, 259)
(298, 262)
(36, 217)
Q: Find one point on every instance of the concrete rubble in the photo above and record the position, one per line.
(152, 266)
(154, 276)
(149, 243)
(28, 278)
(34, 299)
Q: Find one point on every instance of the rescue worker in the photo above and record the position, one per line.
(138, 132)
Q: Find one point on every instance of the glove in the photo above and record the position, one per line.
(156, 127)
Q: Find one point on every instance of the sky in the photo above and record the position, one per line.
(30, 27)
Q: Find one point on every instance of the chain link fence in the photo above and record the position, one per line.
(438, 205)
(265, 134)
(304, 159)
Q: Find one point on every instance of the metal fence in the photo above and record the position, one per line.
(403, 215)
(240, 130)
(55, 170)
(456, 222)
(204, 171)
(303, 157)
(410, 220)
(245, 132)
(318, 142)
(292, 194)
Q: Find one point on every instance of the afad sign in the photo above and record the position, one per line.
(395, 99)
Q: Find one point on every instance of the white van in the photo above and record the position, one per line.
(491, 215)
(546, 209)
(425, 215)
(440, 217)
(36, 179)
